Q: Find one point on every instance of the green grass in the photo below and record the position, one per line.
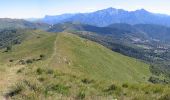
(74, 68)
(95, 61)
(36, 43)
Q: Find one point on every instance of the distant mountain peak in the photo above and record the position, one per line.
(110, 8)
(111, 11)
(142, 11)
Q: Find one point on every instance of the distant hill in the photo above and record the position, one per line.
(157, 32)
(109, 16)
(55, 19)
(144, 32)
(6, 23)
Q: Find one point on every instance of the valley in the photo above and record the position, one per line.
(109, 54)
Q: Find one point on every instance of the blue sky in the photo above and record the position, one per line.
(40, 8)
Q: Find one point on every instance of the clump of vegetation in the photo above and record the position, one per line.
(87, 81)
(41, 79)
(125, 85)
(29, 61)
(59, 88)
(112, 87)
(42, 56)
(81, 95)
(156, 80)
(22, 62)
(20, 70)
(15, 90)
(11, 60)
(39, 71)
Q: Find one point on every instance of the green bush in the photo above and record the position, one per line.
(41, 79)
(125, 85)
(39, 71)
(87, 81)
(11, 60)
(112, 88)
(42, 56)
(29, 61)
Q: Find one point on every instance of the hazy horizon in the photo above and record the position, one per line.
(40, 8)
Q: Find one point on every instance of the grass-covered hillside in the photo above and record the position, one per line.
(95, 61)
(46, 66)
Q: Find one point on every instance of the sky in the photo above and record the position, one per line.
(40, 8)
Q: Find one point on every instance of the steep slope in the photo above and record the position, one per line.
(98, 62)
(34, 44)
(157, 32)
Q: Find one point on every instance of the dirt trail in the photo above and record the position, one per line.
(54, 52)
(9, 78)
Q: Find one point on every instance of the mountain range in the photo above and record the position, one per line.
(107, 54)
(109, 16)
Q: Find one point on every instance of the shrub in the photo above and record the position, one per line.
(22, 62)
(15, 90)
(29, 61)
(87, 81)
(125, 85)
(42, 56)
(39, 71)
(112, 88)
(11, 60)
(41, 79)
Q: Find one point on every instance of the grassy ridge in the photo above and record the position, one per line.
(97, 62)
(75, 68)
(36, 43)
